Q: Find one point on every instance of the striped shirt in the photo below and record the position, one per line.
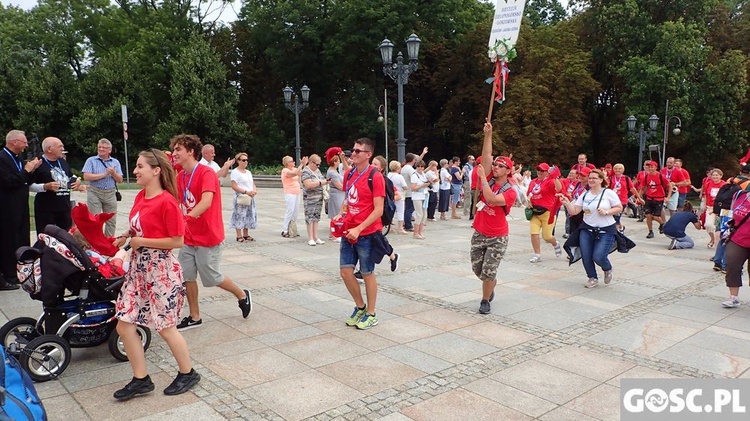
(96, 165)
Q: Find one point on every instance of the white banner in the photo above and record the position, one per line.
(507, 23)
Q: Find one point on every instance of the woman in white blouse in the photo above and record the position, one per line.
(419, 185)
(244, 215)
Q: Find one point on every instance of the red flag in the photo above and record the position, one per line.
(501, 77)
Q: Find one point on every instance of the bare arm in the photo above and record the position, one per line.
(157, 243)
(202, 206)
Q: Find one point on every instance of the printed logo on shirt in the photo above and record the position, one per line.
(135, 224)
(352, 197)
(536, 189)
(189, 202)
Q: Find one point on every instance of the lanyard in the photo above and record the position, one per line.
(15, 161)
(59, 165)
(356, 179)
(187, 187)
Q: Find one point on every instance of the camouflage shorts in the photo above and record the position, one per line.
(486, 254)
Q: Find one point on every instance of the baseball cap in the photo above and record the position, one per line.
(745, 169)
(479, 160)
(584, 171)
(505, 161)
(651, 163)
(331, 152)
(543, 167)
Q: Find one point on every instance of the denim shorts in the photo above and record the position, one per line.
(455, 193)
(361, 252)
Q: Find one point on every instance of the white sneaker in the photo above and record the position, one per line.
(591, 283)
(733, 302)
(311, 242)
(337, 240)
(319, 241)
(535, 258)
(558, 250)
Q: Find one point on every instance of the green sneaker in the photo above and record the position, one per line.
(367, 321)
(356, 315)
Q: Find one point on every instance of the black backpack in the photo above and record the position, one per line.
(389, 204)
(726, 194)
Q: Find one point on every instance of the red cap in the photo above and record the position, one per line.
(651, 163)
(543, 167)
(331, 152)
(584, 171)
(608, 166)
(505, 161)
(479, 160)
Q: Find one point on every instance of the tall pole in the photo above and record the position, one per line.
(666, 135)
(400, 140)
(125, 139)
(297, 147)
(400, 72)
(641, 146)
(385, 121)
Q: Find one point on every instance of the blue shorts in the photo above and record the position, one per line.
(455, 193)
(681, 200)
(360, 252)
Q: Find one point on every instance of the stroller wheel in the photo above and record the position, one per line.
(46, 357)
(117, 348)
(19, 331)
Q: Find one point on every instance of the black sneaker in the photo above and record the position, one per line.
(183, 382)
(661, 228)
(484, 307)
(358, 274)
(394, 262)
(135, 387)
(8, 284)
(246, 304)
(189, 323)
(650, 234)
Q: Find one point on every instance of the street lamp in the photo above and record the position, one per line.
(400, 73)
(677, 130)
(383, 118)
(296, 107)
(643, 134)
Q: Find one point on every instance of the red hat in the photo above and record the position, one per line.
(479, 160)
(331, 152)
(584, 171)
(543, 167)
(608, 165)
(505, 161)
(651, 163)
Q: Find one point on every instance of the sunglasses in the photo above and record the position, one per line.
(355, 150)
(242, 160)
(500, 165)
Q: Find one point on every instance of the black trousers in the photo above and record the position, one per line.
(60, 218)
(432, 204)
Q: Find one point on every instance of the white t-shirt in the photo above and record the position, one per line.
(407, 171)
(432, 176)
(445, 174)
(398, 183)
(214, 166)
(419, 194)
(244, 181)
(588, 202)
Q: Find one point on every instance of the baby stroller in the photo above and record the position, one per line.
(83, 319)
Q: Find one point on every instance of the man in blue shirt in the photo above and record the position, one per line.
(675, 228)
(103, 173)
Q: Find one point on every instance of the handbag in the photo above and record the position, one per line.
(244, 200)
(529, 213)
(118, 195)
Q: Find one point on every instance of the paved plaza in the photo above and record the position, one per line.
(550, 350)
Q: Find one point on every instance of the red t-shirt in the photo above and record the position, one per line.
(207, 230)
(157, 217)
(567, 186)
(542, 192)
(656, 186)
(621, 185)
(578, 167)
(674, 175)
(685, 176)
(639, 179)
(359, 198)
(711, 190)
(491, 220)
(741, 208)
(474, 180)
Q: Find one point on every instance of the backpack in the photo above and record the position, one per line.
(18, 398)
(389, 204)
(726, 193)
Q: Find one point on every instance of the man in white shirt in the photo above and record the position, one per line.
(208, 154)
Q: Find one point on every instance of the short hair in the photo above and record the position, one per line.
(601, 175)
(367, 142)
(13, 135)
(469, 157)
(104, 141)
(721, 173)
(688, 207)
(190, 142)
(410, 157)
(315, 159)
(394, 166)
(456, 159)
(286, 159)
(207, 146)
(620, 166)
(433, 162)
(419, 163)
(48, 141)
(582, 154)
(236, 157)
(443, 162)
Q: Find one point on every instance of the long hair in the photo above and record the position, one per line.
(156, 158)
(383, 164)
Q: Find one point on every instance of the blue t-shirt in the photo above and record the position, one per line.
(675, 226)
(455, 179)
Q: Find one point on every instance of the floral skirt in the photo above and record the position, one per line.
(153, 292)
(243, 217)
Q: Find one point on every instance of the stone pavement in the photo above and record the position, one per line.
(550, 350)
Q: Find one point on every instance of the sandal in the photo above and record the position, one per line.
(240, 240)
(285, 234)
(710, 245)
(248, 238)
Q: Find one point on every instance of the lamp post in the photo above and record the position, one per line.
(383, 118)
(296, 107)
(677, 130)
(643, 134)
(400, 73)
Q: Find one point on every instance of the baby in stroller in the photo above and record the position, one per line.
(109, 267)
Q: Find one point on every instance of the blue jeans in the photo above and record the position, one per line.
(719, 259)
(361, 252)
(595, 248)
(408, 212)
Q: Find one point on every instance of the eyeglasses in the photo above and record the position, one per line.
(242, 160)
(355, 150)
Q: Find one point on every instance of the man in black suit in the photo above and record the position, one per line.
(15, 179)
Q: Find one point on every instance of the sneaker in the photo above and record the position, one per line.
(608, 276)
(558, 250)
(367, 321)
(566, 235)
(311, 243)
(337, 240)
(591, 283)
(650, 234)
(358, 275)
(188, 323)
(733, 302)
(484, 307)
(661, 228)
(356, 315)
(319, 241)
(135, 387)
(535, 258)
(183, 382)
(673, 244)
(717, 267)
(394, 262)
(246, 304)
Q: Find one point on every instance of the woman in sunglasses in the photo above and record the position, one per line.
(244, 214)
